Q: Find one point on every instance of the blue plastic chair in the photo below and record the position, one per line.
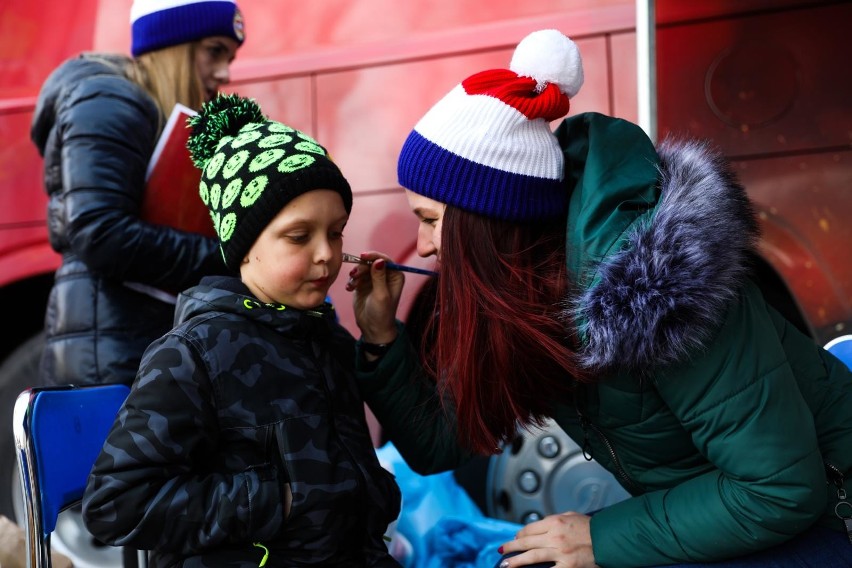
(841, 347)
(59, 432)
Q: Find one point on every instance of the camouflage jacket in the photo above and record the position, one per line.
(238, 400)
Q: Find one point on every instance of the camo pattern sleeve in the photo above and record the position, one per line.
(147, 489)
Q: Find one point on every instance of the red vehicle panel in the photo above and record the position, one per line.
(767, 82)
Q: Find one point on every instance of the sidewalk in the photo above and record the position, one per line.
(13, 547)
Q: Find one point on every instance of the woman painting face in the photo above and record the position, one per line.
(431, 215)
(213, 58)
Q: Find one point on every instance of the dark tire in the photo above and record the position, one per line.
(18, 372)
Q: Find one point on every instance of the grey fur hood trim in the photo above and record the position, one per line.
(665, 293)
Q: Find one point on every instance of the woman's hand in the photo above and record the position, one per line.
(376, 299)
(565, 539)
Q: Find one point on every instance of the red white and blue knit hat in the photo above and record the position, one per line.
(155, 24)
(487, 146)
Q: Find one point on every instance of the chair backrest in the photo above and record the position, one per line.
(841, 347)
(59, 432)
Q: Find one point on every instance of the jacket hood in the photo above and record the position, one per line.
(228, 295)
(665, 292)
(69, 74)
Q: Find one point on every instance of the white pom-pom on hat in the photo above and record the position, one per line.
(549, 56)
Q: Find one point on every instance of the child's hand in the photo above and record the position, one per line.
(376, 298)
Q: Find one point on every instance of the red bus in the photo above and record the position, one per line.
(765, 80)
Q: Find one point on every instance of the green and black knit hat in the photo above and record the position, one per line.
(251, 167)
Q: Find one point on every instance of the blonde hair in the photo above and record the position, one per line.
(169, 76)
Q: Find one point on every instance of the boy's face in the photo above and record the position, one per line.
(298, 255)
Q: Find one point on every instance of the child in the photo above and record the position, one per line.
(243, 441)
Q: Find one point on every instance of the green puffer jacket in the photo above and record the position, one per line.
(717, 415)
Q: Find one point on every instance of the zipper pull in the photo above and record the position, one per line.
(843, 510)
(587, 443)
(584, 424)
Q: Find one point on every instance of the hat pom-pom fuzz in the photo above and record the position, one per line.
(223, 116)
(548, 56)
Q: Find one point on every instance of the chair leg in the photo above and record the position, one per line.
(129, 557)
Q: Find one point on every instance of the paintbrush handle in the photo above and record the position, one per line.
(391, 265)
(412, 269)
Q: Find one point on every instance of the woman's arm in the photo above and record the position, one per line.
(107, 128)
(740, 404)
(408, 407)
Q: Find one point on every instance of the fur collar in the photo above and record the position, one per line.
(665, 293)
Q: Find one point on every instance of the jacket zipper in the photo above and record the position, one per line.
(843, 508)
(356, 465)
(586, 425)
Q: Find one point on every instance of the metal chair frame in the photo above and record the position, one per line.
(59, 432)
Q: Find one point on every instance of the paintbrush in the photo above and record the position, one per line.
(391, 265)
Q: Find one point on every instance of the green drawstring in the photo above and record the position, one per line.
(265, 554)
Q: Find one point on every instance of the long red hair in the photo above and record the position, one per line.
(501, 350)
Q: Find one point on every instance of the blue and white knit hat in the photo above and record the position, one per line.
(487, 146)
(155, 24)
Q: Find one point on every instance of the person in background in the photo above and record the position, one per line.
(244, 441)
(604, 283)
(96, 123)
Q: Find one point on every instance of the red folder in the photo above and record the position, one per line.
(171, 193)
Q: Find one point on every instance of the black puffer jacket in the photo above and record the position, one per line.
(96, 130)
(234, 403)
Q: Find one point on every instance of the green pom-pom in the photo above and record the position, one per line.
(223, 116)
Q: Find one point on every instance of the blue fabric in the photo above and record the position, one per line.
(440, 525)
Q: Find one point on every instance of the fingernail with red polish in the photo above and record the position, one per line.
(379, 264)
(500, 550)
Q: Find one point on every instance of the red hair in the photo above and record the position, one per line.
(503, 353)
